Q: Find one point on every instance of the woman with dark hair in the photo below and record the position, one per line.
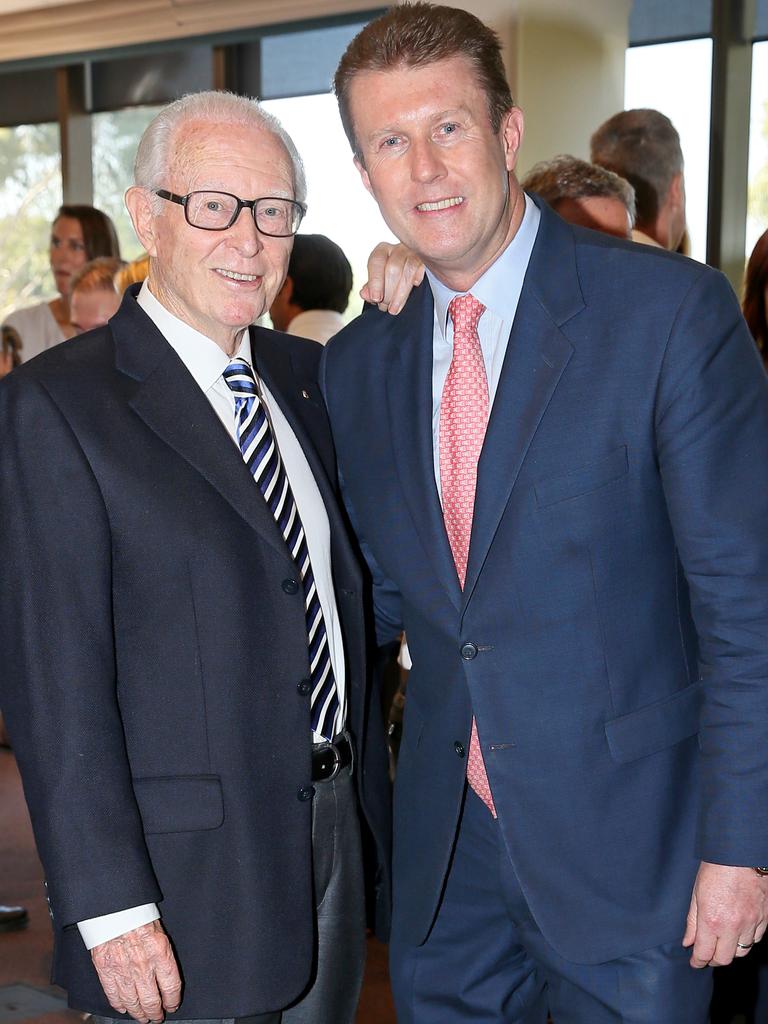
(755, 303)
(78, 234)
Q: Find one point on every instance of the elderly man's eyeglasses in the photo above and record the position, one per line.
(217, 211)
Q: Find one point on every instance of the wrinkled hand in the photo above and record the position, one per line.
(729, 905)
(393, 271)
(138, 973)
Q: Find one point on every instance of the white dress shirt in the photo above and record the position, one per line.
(206, 361)
(317, 324)
(499, 291)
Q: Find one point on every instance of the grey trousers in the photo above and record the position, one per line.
(334, 990)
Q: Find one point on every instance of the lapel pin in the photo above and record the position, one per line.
(304, 393)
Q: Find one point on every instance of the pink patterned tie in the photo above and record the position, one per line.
(463, 419)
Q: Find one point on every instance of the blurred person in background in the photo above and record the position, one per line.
(316, 290)
(585, 194)
(755, 300)
(94, 299)
(78, 234)
(133, 272)
(643, 146)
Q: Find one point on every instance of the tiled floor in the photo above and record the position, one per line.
(25, 992)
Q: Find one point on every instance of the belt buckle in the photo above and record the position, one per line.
(336, 767)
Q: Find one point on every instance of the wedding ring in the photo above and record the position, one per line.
(745, 945)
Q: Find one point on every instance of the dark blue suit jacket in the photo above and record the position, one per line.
(153, 661)
(612, 636)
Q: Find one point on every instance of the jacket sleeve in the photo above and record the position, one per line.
(711, 421)
(58, 684)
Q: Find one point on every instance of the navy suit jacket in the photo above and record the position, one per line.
(153, 662)
(612, 635)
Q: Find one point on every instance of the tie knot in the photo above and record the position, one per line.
(240, 379)
(465, 311)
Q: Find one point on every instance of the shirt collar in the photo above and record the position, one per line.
(204, 359)
(499, 287)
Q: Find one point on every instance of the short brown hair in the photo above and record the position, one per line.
(99, 235)
(97, 275)
(642, 146)
(567, 177)
(414, 35)
(755, 286)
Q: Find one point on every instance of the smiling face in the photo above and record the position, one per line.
(430, 158)
(217, 281)
(67, 251)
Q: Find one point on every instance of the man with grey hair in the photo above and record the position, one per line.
(643, 146)
(585, 194)
(181, 617)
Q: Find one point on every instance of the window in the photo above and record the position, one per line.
(676, 79)
(30, 172)
(339, 206)
(757, 208)
(116, 135)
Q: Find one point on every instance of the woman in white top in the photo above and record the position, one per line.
(79, 234)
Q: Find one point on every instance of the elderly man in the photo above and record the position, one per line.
(562, 494)
(585, 194)
(182, 624)
(643, 146)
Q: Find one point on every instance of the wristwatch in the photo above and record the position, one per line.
(762, 871)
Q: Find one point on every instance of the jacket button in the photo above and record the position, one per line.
(304, 687)
(306, 793)
(459, 748)
(468, 651)
(290, 586)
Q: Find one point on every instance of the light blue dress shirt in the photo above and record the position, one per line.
(499, 291)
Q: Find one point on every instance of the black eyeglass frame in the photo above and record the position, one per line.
(250, 204)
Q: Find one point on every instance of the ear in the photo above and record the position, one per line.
(511, 133)
(677, 190)
(364, 175)
(139, 205)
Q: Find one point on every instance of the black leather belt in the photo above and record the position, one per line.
(328, 759)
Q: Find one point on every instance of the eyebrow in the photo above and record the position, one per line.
(441, 115)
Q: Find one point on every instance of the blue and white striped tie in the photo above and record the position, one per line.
(262, 457)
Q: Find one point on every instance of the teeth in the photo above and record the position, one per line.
(442, 204)
(238, 277)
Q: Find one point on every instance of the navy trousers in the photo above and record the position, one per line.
(486, 960)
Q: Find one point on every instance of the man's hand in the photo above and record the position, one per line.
(729, 907)
(138, 973)
(393, 271)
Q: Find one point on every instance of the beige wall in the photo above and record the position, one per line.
(565, 61)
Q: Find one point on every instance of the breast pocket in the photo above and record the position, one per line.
(584, 480)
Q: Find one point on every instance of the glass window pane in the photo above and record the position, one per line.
(301, 63)
(761, 20)
(757, 206)
(116, 135)
(30, 194)
(339, 206)
(652, 21)
(676, 79)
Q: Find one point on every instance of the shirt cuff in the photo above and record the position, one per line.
(96, 930)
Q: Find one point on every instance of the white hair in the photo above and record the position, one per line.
(154, 155)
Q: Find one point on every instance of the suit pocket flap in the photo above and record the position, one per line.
(656, 726)
(180, 803)
(582, 481)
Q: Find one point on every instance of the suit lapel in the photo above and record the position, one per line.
(536, 357)
(409, 402)
(169, 401)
